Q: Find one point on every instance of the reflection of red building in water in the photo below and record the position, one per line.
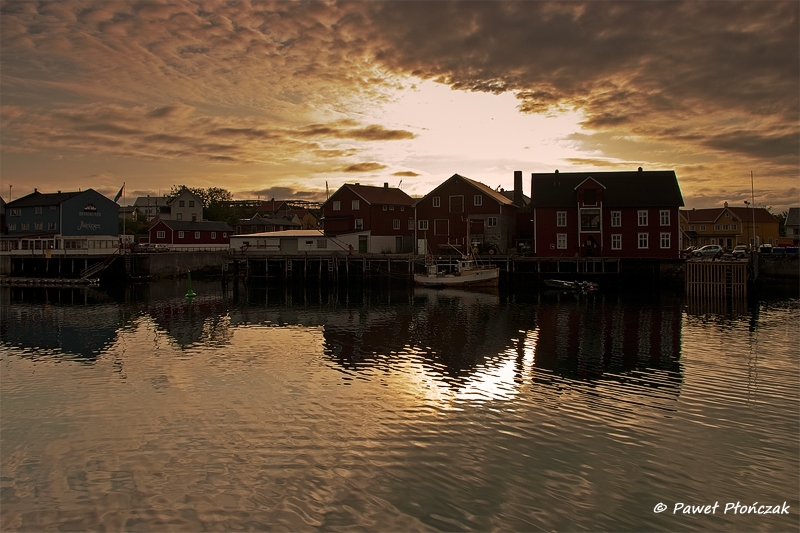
(606, 214)
(591, 340)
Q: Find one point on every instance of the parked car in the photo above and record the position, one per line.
(765, 249)
(160, 248)
(740, 251)
(791, 250)
(777, 250)
(709, 250)
(143, 248)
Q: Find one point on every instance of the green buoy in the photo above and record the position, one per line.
(190, 293)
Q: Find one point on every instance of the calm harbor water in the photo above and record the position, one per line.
(394, 409)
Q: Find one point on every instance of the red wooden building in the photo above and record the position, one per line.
(186, 234)
(385, 217)
(606, 214)
(462, 214)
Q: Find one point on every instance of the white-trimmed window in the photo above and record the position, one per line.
(644, 241)
(25, 226)
(491, 222)
(355, 205)
(181, 203)
(733, 227)
(436, 201)
(641, 216)
(396, 223)
(716, 227)
(51, 226)
(37, 210)
(616, 219)
(337, 205)
(197, 235)
(38, 226)
(178, 216)
(191, 203)
(423, 225)
(391, 208)
(616, 241)
(213, 234)
(691, 228)
(15, 212)
(561, 241)
(410, 223)
(561, 219)
(724, 227)
(180, 235)
(665, 239)
(385, 207)
(702, 227)
(663, 216)
(477, 200)
(160, 234)
(359, 222)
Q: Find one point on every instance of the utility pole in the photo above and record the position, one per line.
(753, 203)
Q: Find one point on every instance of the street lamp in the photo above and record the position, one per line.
(747, 206)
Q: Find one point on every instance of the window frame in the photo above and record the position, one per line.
(561, 219)
(643, 241)
(616, 241)
(561, 241)
(616, 219)
(642, 218)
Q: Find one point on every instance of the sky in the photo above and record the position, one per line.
(293, 99)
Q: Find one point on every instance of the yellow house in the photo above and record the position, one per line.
(729, 226)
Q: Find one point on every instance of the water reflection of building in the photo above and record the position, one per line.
(587, 337)
(75, 322)
(189, 321)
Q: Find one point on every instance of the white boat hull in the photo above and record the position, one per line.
(487, 277)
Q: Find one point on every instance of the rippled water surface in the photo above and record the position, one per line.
(386, 409)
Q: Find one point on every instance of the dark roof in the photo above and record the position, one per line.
(380, 195)
(37, 198)
(188, 225)
(793, 217)
(655, 188)
(711, 214)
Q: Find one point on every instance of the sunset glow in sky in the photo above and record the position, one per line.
(278, 99)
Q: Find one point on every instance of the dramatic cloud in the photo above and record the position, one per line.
(258, 95)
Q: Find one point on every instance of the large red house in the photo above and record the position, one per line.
(383, 215)
(462, 214)
(606, 214)
(177, 234)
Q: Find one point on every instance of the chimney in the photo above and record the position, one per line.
(726, 204)
(640, 169)
(385, 185)
(518, 188)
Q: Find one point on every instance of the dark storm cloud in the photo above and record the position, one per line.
(627, 65)
(364, 167)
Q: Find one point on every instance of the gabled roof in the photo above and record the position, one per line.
(37, 198)
(711, 215)
(793, 217)
(187, 225)
(655, 188)
(746, 214)
(270, 206)
(701, 216)
(497, 196)
(379, 195)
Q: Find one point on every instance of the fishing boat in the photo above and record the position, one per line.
(465, 272)
(587, 286)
